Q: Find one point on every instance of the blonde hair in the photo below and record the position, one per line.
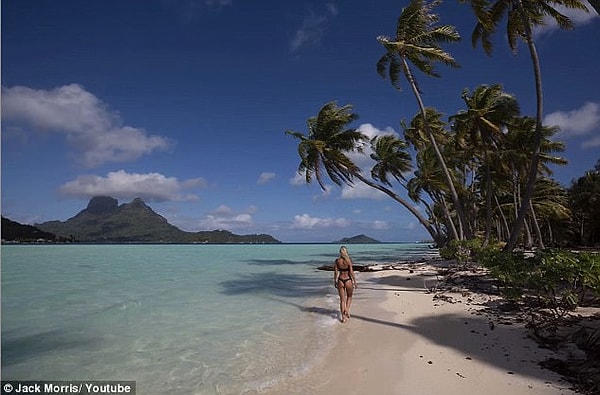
(344, 253)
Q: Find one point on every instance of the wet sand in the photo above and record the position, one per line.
(402, 340)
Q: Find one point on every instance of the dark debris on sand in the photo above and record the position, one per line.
(574, 337)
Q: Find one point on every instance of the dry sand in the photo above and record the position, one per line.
(402, 341)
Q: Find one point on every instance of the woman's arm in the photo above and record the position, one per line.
(335, 273)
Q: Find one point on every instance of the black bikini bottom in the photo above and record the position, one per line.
(344, 280)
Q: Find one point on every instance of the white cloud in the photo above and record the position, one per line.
(591, 143)
(305, 221)
(325, 193)
(299, 179)
(223, 217)
(265, 177)
(381, 225)
(364, 161)
(96, 133)
(411, 226)
(579, 122)
(578, 17)
(362, 191)
(312, 28)
(122, 185)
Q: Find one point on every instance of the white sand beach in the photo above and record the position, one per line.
(402, 340)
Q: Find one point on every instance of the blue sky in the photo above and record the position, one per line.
(184, 103)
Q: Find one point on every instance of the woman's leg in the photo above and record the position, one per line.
(349, 291)
(342, 293)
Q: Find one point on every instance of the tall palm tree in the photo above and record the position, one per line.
(323, 151)
(521, 17)
(519, 147)
(429, 179)
(417, 41)
(480, 127)
(428, 165)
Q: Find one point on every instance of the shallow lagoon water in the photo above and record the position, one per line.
(178, 319)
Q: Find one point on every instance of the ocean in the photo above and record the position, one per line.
(177, 319)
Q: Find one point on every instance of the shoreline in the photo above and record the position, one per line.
(403, 339)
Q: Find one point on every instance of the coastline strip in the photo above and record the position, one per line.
(400, 340)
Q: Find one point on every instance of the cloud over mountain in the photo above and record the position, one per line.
(97, 134)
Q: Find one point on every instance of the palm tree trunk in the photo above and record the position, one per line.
(536, 226)
(504, 221)
(437, 238)
(453, 232)
(537, 140)
(550, 233)
(438, 153)
(488, 202)
(529, 238)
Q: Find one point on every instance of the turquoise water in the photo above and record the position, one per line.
(178, 319)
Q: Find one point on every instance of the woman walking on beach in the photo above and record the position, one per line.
(345, 282)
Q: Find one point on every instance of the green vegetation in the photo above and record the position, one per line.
(358, 239)
(105, 221)
(13, 231)
(556, 280)
(482, 175)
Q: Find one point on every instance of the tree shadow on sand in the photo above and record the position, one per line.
(278, 262)
(475, 336)
(17, 348)
(284, 285)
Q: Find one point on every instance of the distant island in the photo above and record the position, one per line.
(105, 221)
(15, 232)
(358, 239)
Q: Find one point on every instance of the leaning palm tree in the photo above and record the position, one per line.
(428, 179)
(391, 159)
(521, 17)
(417, 41)
(326, 145)
(480, 127)
(416, 133)
(324, 151)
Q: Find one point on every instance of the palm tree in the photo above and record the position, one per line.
(521, 17)
(324, 151)
(480, 127)
(415, 133)
(519, 147)
(584, 195)
(429, 179)
(550, 203)
(417, 41)
(324, 148)
(391, 159)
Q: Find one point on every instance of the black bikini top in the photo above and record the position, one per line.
(347, 269)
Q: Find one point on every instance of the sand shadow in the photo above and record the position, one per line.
(284, 285)
(278, 262)
(18, 348)
(477, 337)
